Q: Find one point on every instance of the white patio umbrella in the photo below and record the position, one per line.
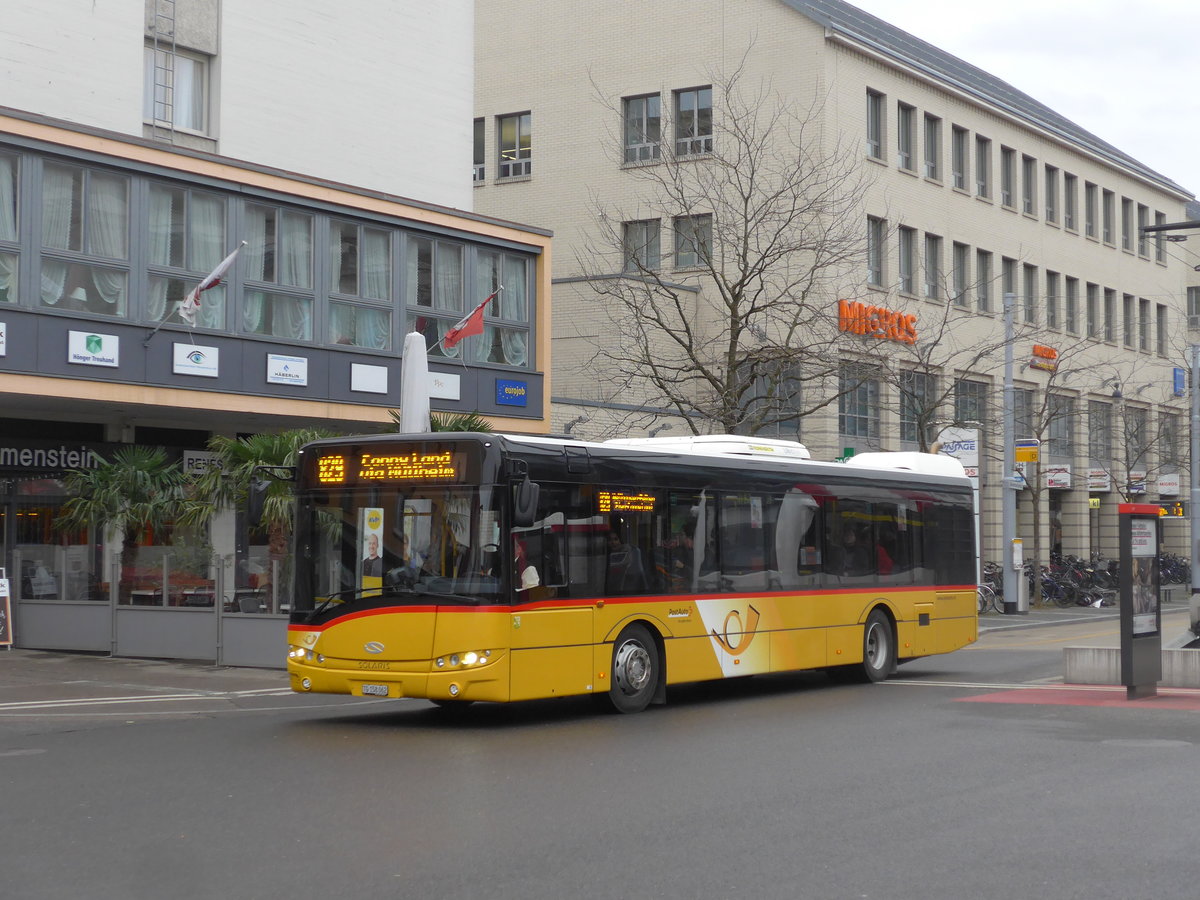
(414, 385)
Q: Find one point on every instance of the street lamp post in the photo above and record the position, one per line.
(1009, 483)
(1194, 475)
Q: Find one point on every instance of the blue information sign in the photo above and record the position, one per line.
(512, 393)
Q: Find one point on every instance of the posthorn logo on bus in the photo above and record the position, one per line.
(373, 647)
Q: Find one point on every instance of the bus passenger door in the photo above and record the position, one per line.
(550, 636)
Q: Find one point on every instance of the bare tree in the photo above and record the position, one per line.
(730, 318)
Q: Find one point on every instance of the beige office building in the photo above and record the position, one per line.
(602, 121)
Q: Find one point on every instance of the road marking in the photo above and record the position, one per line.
(149, 698)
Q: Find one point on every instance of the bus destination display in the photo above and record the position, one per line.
(415, 466)
(617, 501)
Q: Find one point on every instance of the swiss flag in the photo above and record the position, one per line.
(471, 323)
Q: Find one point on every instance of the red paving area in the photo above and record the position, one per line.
(1166, 699)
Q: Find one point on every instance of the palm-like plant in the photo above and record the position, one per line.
(137, 489)
(227, 479)
(440, 421)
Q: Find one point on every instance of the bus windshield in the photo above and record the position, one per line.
(363, 547)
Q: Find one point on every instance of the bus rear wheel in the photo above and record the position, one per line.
(879, 647)
(635, 671)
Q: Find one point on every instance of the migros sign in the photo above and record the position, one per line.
(877, 322)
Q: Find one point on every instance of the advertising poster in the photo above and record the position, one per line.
(370, 530)
(1145, 576)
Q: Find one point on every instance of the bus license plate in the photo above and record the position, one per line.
(376, 690)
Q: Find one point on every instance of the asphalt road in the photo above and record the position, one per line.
(129, 779)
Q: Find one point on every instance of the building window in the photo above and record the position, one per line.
(983, 167)
(433, 283)
(1160, 248)
(85, 240)
(1093, 310)
(515, 146)
(1089, 209)
(1008, 278)
(1070, 200)
(1071, 306)
(961, 274)
(9, 247)
(1169, 454)
(933, 147)
(1051, 299)
(1100, 433)
(916, 390)
(1109, 216)
(1051, 194)
(1023, 412)
(908, 260)
(1008, 176)
(1110, 315)
(1129, 325)
(1029, 304)
(505, 338)
(933, 267)
(186, 242)
(1137, 438)
(1143, 240)
(360, 269)
(478, 160)
(874, 124)
(693, 241)
(1160, 329)
(175, 89)
(875, 237)
(1144, 325)
(906, 123)
(641, 245)
(858, 403)
(983, 280)
(1060, 440)
(693, 122)
(1193, 307)
(958, 157)
(278, 252)
(970, 402)
(1029, 185)
(643, 128)
(1126, 224)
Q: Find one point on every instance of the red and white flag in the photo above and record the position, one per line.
(471, 323)
(190, 305)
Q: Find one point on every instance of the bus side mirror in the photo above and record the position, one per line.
(255, 501)
(525, 503)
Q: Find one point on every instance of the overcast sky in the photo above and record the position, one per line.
(1123, 71)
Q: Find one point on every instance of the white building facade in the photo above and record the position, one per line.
(970, 190)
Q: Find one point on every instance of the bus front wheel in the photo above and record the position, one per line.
(635, 671)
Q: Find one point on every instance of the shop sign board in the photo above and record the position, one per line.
(1058, 477)
(192, 359)
(287, 369)
(85, 348)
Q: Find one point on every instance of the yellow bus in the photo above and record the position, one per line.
(462, 567)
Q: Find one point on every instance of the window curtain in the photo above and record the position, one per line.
(372, 327)
(206, 248)
(8, 225)
(254, 255)
(448, 283)
(376, 265)
(162, 203)
(107, 234)
(514, 307)
(58, 211)
(295, 263)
